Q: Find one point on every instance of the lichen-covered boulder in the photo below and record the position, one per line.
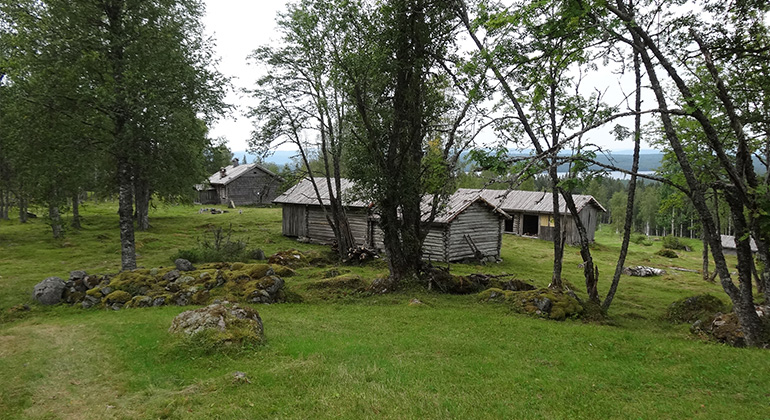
(289, 258)
(546, 303)
(643, 271)
(183, 265)
(724, 328)
(222, 323)
(693, 308)
(49, 291)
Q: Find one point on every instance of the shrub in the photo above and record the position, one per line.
(218, 246)
(672, 242)
(641, 239)
(668, 253)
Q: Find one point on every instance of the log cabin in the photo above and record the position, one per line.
(532, 213)
(467, 226)
(241, 184)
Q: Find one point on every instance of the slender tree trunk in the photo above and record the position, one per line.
(706, 274)
(3, 204)
(76, 210)
(590, 271)
(740, 296)
(125, 215)
(22, 200)
(55, 218)
(142, 204)
(558, 238)
(631, 189)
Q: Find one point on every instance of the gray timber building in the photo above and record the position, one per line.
(532, 213)
(468, 226)
(240, 184)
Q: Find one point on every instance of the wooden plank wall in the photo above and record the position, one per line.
(434, 248)
(293, 220)
(477, 222)
(253, 187)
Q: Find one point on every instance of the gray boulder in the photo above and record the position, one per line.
(183, 265)
(49, 291)
(231, 322)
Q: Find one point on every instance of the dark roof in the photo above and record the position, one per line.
(233, 172)
(531, 201)
(304, 194)
(728, 242)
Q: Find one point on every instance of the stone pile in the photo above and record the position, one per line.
(181, 285)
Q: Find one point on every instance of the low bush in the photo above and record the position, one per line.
(668, 253)
(672, 242)
(218, 246)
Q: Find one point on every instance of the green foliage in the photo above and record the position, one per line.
(693, 308)
(218, 246)
(672, 242)
(641, 239)
(668, 253)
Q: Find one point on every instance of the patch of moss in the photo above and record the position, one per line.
(494, 294)
(257, 271)
(95, 292)
(283, 271)
(345, 281)
(693, 308)
(118, 296)
(543, 302)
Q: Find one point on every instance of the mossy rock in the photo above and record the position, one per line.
(290, 258)
(96, 292)
(667, 253)
(724, 328)
(257, 271)
(118, 296)
(219, 325)
(139, 302)
(345, 281)
(515, 285)
(546, 303)
(494, 294)
(693, 308)
(283, 271)
(290, 296)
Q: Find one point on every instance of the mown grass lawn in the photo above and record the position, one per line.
(341, 356)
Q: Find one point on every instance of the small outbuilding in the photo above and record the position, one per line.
(729, 248)
(240, 184)
(467, 227)
(532, 213)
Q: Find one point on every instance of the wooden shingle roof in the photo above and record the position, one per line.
(304, 194)
(233, 172)
(531, 201)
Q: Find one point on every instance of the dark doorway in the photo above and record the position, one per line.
(529, 225)
(509, 225)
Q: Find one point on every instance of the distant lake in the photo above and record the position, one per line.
(618, 174)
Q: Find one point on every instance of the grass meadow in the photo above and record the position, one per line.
(340, 355)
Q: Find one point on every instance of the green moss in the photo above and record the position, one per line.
(494, 294)
(345, 281)
(237, 266)
(95, 292)
(118, 296)
(257, 271)
(283, 271)
(693, 308)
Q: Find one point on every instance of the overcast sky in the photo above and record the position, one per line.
(240, 26)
